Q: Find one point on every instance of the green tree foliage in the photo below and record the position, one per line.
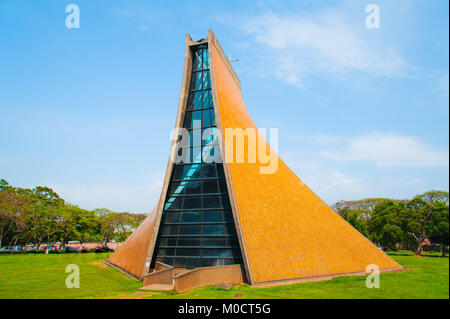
(359, 213)
(39, 215)
(399, 223)
(438, 228)
(11, 207)
(433, 197)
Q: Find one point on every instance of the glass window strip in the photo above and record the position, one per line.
(196, 218)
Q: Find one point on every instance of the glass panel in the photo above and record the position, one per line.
(196, 119)
(171, 241)
(209, 136)
(177, 172)
(187, 262)
(191, 171)
(197, 61)
(166, 260)
(197, 81)
(211, 202)
(173, 203)
(211, 242)
(206, 119)
(172, 217)
(187, 171)
(193, 85)
(196, 137)
(223, 186)
(215, 252)
(190, 229)
(190, 217)
(196, 155)
(206, 80)
(225, 202)
(170, 230)
(192, 202)
(177, 188)
(220, 172)
(230, 229)
(209, 170)
(213, 118)
(228, 216)
(166, 251)
(188, 120)
(210, 186)
(212, 216)
(236, 253)
(207, 99)
(205, 59)
(185, 155)
(189, 102)
(193, 187)
(215, 230)
(189, 242)
(208, 154)
(197, 100)
(188, 252)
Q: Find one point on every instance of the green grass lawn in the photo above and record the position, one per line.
(43, 276)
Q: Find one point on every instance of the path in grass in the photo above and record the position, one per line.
(43, 276)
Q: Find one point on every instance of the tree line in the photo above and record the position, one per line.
(40, 216)
(401, 224)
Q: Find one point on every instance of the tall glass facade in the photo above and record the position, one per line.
(197, 227)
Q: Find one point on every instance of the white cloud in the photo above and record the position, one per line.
(136, 198)
(329, 42)
(326, 181)
(389, 150)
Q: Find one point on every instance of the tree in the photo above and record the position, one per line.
(432, 197)
(387, 226)
(66, 223)
(4, 185)
(364, 207)
(438, 229)
(113, 225)
(10, 221)
(418, 221)
(136, 220)
(40, 215)
(354, 218)
(87, 225)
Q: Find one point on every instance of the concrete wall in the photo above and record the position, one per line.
(161, 277)
(208, 276)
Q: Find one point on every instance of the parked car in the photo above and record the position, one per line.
(69, 249)
(103, 249)
(11, 249)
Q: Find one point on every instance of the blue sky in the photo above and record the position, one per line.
(361, 112)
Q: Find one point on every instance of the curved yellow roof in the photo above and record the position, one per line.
(288, 231)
